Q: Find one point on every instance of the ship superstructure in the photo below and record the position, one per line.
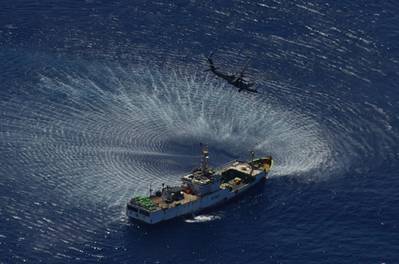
(201, 189)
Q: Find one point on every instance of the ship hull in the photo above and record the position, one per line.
(205, 202)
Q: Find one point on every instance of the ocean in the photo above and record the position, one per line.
(99, 100)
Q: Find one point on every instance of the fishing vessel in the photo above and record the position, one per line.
(202, 188)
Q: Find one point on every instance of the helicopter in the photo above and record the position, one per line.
(236, 80)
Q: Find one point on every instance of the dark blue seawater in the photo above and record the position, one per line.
(99, 99)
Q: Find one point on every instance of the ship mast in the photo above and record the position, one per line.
(204, 160)
(252, 155)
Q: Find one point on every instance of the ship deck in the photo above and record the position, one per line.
(244, 168)
(164, 205)
(237, 165)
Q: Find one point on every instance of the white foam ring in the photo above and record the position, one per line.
(106, 134)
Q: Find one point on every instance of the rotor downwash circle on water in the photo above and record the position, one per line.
(111, 129)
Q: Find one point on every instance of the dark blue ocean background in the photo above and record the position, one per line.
(99, 99)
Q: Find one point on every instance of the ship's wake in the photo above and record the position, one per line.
(202, 219)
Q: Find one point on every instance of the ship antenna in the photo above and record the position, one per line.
(205, 157)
